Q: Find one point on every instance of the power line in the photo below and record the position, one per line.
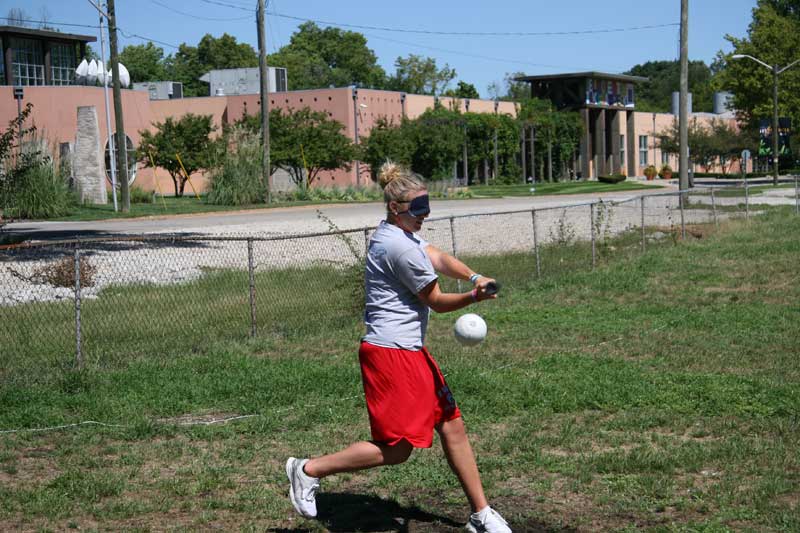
(477, 34)
(248, 17)
(225, 4)
(144, 38)
(477, 56)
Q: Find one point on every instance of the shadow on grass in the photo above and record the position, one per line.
(340, 512)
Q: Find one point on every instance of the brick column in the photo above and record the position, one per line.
(600, 143)
(586, 145)
(633, 155)
(614, 163)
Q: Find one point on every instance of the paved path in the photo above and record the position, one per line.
(288, 220)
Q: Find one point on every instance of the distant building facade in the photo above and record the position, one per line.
(40, 57)
(617, 139)
(239, 81)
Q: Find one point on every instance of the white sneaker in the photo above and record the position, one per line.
(302, 488)
(487, 521)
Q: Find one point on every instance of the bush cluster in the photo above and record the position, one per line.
(236, 178)
(613, 178)
(32, 185)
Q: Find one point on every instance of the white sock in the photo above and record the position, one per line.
(480, 515)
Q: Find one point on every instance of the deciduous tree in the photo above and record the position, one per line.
(306, 142)
(187, 137)
(319, 58)
(145, 62)
(420, 75)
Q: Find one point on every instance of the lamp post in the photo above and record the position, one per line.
(776, 71)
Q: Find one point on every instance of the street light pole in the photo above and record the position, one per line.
(776, 156)
(776, 71)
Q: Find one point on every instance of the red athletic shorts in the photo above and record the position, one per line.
(406, 394)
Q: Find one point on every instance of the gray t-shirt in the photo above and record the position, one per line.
(398, 267)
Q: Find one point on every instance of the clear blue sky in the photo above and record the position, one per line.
(479, 60)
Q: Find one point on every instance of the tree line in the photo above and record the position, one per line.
(305, 143)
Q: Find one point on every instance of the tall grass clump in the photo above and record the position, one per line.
(236, 178)
(36, 189)
(32, 185)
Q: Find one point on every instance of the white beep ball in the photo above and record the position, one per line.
(470, 329)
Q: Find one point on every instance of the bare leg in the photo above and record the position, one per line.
(462, 461)
(358, 456)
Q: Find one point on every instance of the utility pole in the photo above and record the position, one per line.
(683, 119)
(122, 145)
(111, 159)
(263, 73)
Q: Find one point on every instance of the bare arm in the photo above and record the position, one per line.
(454, 268)
(451, 267)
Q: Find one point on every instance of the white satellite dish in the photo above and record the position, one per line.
(91, 72)
(101, 73)
(124, 76)
(80, 72)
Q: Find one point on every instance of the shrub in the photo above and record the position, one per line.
(61, 273)
(236, 178)
(650, 172)
(665, 173)
(325, 194)
(35, 190)
(613, 178)
(137, 195)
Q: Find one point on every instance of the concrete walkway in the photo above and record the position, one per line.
(290, 220)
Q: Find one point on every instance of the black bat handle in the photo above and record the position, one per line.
(492, 287)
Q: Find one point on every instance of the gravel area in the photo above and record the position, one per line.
(176, 261)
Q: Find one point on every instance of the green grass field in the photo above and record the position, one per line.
(567, 187)
(189, 204)
(660, 392)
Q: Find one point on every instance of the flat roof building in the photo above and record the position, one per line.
(606, 104)
(40, 57)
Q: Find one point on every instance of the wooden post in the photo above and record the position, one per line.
(264, 93)
(122, 144)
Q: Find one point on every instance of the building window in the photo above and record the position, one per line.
(622, 150)
(28, 61)
(642, 150)
(64, 61)
(131, 152)
(664, 158)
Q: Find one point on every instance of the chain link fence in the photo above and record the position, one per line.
(110, 300)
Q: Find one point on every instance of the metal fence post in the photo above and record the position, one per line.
(455, 248)
(714, 208)
(78, 353)
(683, 217)
(251, 270)
(641, 199)
(366, 242)
(536, 244)
(746, 201)
(591, 229)
(796, 197)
